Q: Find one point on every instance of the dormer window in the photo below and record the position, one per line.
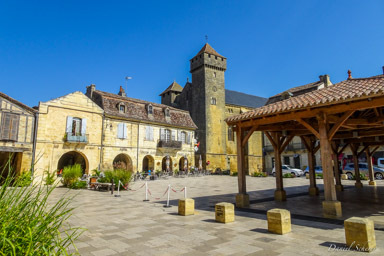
(150, 109)
(286, 95)
(121, 107)
(166, 112)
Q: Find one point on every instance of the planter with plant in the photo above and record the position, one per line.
(71, 174)
(259, 174)
(288, 175)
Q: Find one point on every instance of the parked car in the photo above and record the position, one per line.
(349, 169)
(380, 162)
(318, 169)
(289, 169)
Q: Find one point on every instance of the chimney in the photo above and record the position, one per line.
(90, 90)
(327, 82)
(383, 69)
(122, 92)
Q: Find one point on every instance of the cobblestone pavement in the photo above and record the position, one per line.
(128, 226)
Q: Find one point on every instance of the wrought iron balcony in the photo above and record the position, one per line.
(76, 138)
(169, 144)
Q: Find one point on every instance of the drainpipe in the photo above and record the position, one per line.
(34, 143)
(138, 145)
(102, 141)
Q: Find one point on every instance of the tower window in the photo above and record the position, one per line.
(213, 101)
(209, 55)
(214, 74)
(216, 57)
(230, 134)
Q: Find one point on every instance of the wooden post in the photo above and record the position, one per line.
(309, 145)
(242, 199)
(279, 143)
(331, 207)
(369, 154)
(354, 149)
(336, 170)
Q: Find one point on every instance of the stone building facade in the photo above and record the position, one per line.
(206, 99)
(142, 136)
(295, 154)
(69, 132)
(17, 128)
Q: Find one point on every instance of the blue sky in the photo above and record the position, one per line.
(51, 48)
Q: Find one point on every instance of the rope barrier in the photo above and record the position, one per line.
(157, 198)
(126, 187)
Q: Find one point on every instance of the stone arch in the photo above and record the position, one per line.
(71, 158)
(148, 163)
(164, 164)
(122, 161)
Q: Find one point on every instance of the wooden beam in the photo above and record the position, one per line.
(337, 125)
(246, 138)
(286, 142)
(342, 148)
(309, 127)
(269, 136)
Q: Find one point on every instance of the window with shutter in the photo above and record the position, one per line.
(120, 131)
(9, 126)
(183, 137)
(167, 135)
(188, 138)
(151, 133)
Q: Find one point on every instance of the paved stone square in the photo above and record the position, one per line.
(128, 226)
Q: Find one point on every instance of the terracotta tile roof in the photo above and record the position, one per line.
(344, 91)
(137, 110)
(5, 96)
(174, 87)
(208, 49)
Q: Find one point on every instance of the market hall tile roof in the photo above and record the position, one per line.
(174, 87)
(244, 100)
(5, 96)
(136, 109)
(348, 90)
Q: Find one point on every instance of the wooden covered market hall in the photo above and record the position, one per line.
(346, 114)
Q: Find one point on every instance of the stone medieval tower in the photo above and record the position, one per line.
(206, 104)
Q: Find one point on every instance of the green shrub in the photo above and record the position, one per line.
(362, 177)
(71, 174)
(24, 179)
(319, 175)
(31, 226)
(288, 175)
(96, 173)
(80, 184)
(49, 177)
(259, 174)
(234, 174)
(119, 174)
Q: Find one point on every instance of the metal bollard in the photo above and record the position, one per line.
(169, 192)
(146, 192)
(185, 192)
(118, 190)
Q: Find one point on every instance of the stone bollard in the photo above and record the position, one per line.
(186, 206)
(344, 176)
(279, 221)
(224, 212)
(307, 176)
(360, 234)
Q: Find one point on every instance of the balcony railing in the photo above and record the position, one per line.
(76, 138)
(169, 144)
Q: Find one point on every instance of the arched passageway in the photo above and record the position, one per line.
(122, 161)
(72, 158)
(167, 164)
(183, 164)
(148, 163)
